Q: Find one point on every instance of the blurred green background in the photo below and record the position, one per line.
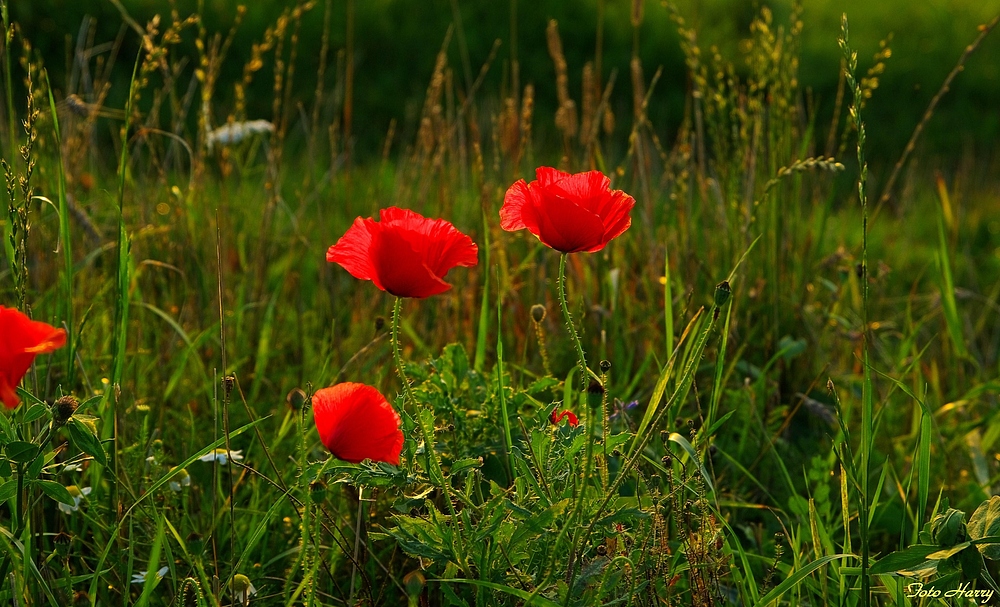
(395, 43)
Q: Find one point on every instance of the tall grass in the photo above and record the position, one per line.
(750, 281)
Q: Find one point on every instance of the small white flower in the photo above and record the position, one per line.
(151, 459)
(221, 456)
(236, 132)
(78, 495)
(180, 479)
(243, 589)
(72, 468)
(140, 578)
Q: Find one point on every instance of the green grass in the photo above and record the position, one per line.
(838, 406)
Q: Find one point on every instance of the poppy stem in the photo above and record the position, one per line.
(581, 357)
(427, 434)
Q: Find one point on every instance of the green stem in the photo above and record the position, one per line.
(581, 357)
(427, 434)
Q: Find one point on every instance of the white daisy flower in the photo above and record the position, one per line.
(222, 456)
(243, 589)
(78, 495)
(140, 578)
(180, 479)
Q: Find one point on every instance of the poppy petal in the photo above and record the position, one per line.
(355, 422)
(23, 340)
(351, 251)
(516, 202)
(404, 253)
(547, 176)
(400, 270)
(567, 227)
(568, 212)
(436, 241)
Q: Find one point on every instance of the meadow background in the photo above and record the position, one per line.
(784, 441)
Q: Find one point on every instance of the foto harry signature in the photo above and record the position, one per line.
(918, 590)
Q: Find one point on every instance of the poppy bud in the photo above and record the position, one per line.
(595, 387)
(722, 293)
(414, 582)
(63, 409)
(295, 399)
(379, 323)
(537, 313)
(602, 550)
(318, 491)
(605, 366)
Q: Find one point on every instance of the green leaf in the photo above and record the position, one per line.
(21, 452)
(903, 559)
(800, 574)
(8, 490)
(86, 441)
(56, 491)
(35, 412)
(521, 594)
(984, 522)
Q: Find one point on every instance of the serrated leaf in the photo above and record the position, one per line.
(21, 452)
(85, 441)
(56, 491)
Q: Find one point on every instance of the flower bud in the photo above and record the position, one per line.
(295, 399)
(538, 313)
(722, 293)
(605, 366)
(63, 409)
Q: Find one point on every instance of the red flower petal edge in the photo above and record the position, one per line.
(557, 417)
(355, 422)
(404, 253)
(567, 212)
(21, 340)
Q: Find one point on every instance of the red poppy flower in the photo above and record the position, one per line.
(557, 417)
(569, 213)
(356, 422)
(21, 340)
(404, 253)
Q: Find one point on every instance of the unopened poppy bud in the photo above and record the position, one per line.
(595, 387)
(414, 582)
(538, 313)
(318, 490)
(722, 293)
(63, 409)
(295, 399)
(62, 540)
(379, 323)
(605, 366)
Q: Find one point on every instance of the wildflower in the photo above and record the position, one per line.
(63, 409)
(222, 456)
(242, 589)
(235, 132)
(557, 417)
(622, 408)
(140, 578)
(181, 478)
(355, 422)
(78, 494)
(569, 213)
(404, 253)
(23, 339)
